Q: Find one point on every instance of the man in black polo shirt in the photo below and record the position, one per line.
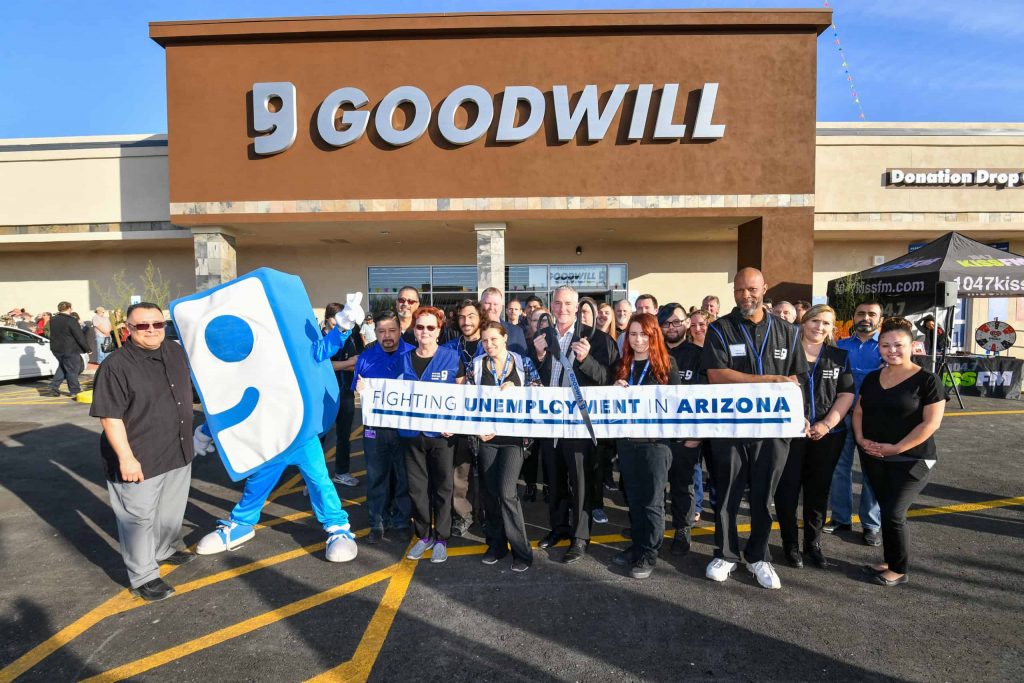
(749, 345)
(143, 397)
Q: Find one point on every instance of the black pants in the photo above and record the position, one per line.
(428, 467)
(343, 427)
(896, 484)
(680, 476)
(735, 464)
(69, 367)
(499, 467)
(595, 487)
(531, 464)
(465, 493)
(809, 466)
(645, 464)
(567, 469)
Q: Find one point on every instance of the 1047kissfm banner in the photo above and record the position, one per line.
(654, 411)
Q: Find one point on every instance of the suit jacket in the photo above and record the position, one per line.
(597, 369)
(66, 336)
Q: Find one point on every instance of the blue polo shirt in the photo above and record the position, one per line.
(376, 363)
(863, 356)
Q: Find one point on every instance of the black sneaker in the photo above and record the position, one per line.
(490, 557)
(179, 558)
(642, 568)
(520, 566)
(872, 537)
(624, 558)
(375, 536)
(835, 527)
(154, 591)
(680, 542)
(54, 393)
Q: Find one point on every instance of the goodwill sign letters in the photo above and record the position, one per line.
(654, 411)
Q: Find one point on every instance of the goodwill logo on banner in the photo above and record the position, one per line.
(755, 411)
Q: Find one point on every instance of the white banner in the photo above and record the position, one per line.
(694, 411)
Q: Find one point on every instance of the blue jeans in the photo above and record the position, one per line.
(698, 487)
(385, 467)
(841, 496)
(100, 355)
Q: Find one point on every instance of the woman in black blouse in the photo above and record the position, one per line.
(501, 457)
(828, 395)
(644, 463)
(899, 410)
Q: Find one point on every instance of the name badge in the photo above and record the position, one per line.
(370, 433)
(737, 350)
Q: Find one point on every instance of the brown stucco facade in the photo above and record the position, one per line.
(758, 178)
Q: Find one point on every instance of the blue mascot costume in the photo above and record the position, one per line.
(263, 373)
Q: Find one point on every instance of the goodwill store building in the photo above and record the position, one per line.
(622, 152)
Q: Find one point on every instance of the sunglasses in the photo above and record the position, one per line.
(403, 300)
(145, 326)
(428, 328)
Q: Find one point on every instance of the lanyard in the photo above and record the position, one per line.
(466, 358)
(810, 380)
(643, 374)
(498, 381)
(759, 355)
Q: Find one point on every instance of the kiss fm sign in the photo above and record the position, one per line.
(279, 125)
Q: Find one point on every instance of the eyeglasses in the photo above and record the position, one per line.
(672, 323)
(142, 327)
(403, 300)
(428, 328)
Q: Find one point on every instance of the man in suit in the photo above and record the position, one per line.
(570, 463)
(67, 343)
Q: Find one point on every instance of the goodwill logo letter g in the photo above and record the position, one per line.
(243, 372)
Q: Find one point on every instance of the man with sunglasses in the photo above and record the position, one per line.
(405, 306)
(143, 397)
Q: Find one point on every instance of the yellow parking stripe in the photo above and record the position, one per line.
(359, 667)
(241, 628)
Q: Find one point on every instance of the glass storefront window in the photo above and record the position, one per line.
(445, 286)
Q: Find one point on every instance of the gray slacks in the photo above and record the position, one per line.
(149, 516)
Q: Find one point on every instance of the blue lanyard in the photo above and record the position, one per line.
(643, 375)
(764, 343)
(810, 380)
(498, 381)
(465, 354)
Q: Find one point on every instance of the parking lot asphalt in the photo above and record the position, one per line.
(275, 610)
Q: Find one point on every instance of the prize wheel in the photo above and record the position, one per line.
(995, 336)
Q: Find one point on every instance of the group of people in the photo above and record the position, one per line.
(427, 478)
(864, 393)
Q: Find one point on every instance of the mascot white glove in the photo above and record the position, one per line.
(353, 314)
(202, 443)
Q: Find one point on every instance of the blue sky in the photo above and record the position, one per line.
(89, 68)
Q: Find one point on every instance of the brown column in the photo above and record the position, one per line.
(782, 247)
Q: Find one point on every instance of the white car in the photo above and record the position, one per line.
(24, 355)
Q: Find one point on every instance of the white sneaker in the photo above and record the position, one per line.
(341, 544)
(228, 536)
(719, 569)
(440, 553)
(422, 546)
(345, 479)
(765, 574)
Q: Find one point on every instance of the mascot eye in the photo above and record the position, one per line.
(229, 338)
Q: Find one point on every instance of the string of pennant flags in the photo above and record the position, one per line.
(846, 65)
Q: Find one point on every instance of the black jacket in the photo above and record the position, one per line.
(597, 369)
(66, 336)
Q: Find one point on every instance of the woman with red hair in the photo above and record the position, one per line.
(644, 463)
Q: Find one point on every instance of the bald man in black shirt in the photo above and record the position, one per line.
(749, 345)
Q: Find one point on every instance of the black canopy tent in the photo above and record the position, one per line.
(906, 284)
